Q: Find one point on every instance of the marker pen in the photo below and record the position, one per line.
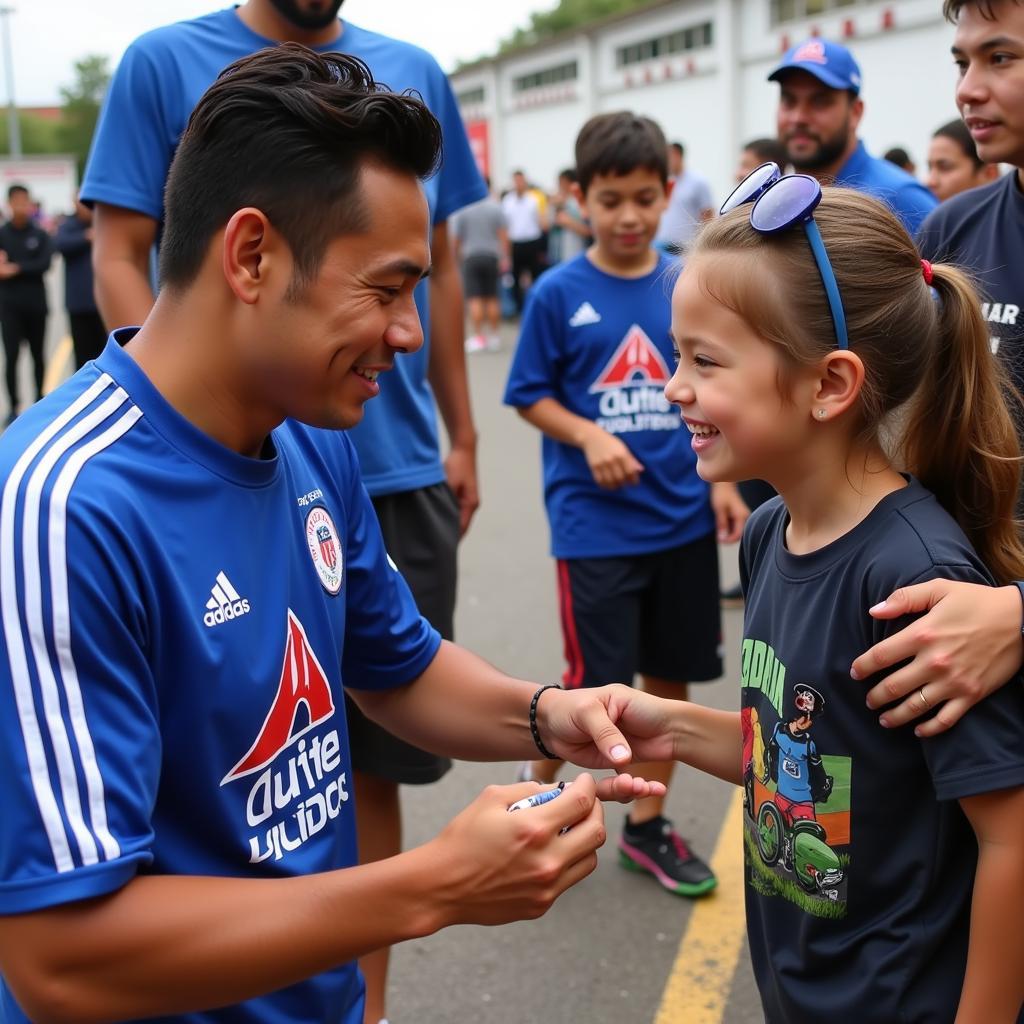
(538, 798)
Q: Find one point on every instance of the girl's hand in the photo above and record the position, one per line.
(967, 646)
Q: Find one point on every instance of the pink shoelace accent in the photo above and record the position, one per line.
(682, 849)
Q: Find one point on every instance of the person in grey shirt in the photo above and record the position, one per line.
(480, 241)
(689, 204)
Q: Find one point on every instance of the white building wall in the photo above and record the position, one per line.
(715, 98)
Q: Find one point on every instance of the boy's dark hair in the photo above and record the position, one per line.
(951, 8)
(956, 131)
(768, 150)
(287, 131)
(617, 144)
(17, 190)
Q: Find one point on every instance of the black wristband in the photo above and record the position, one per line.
(534, 731)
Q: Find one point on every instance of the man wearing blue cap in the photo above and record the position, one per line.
(819, 111)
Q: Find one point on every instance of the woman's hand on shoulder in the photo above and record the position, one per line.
(965, 647)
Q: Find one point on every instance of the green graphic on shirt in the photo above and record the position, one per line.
(797, 801)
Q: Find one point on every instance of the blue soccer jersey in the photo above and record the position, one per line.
(178, 623)
(599, 345)
(161, 78)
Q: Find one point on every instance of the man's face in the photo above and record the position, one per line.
(519, 182)
(749, 160)
(21, 206)
(319, 353)
(308, 14)
(675, 162)
(816, 124)
(989, 53)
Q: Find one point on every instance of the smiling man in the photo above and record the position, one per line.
(983, 229)
(192, 575)
(819, 111)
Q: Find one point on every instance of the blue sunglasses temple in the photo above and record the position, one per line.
(828, 279)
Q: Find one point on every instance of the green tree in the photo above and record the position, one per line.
(38, 135)
(81, 107)
(569, 14)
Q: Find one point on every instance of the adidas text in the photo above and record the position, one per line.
(226, 612)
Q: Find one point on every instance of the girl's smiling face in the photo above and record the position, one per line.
(728, 383)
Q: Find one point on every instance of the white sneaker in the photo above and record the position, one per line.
(493, 342)
(476, 344)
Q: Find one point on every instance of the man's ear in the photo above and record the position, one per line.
(253, 254)
(856, 113)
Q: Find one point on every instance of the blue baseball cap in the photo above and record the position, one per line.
(828, 62)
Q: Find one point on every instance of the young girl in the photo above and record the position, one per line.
(824, 364)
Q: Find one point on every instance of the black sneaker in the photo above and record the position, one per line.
(655, 848)
(732, 597)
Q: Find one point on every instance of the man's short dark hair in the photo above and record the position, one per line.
(287, 131)
(678, 147)
(17, 190)
(569, 173)
(617, 144)
(951, 8)
(768, 150)
(898, 156)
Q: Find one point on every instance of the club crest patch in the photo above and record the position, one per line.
(324, 548)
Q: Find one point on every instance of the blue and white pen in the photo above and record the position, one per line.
(538, 798)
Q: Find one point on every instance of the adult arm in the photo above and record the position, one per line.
(965, 647)
(122, 242)
(994, 982)
(611, 462)
(604, 727)
(168, 944)
(446, 372)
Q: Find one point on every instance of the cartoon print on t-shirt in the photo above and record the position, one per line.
(797, 800)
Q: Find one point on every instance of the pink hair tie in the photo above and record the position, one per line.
(926, 269)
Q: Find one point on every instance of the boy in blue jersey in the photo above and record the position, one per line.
(192, 573)
(632, 525)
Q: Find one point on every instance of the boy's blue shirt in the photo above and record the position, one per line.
(599, 345)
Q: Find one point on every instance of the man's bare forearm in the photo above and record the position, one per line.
(123, 293)
(167, 945)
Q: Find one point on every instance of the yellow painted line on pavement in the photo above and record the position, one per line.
(57, 368)
(700, 982)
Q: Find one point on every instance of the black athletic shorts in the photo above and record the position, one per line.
(421, 531)
(654, 614)
(480, 276)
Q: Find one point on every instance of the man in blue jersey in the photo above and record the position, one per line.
(424, 504)
(191, 574)
(818, 115)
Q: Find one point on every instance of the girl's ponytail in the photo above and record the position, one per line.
(960, 439)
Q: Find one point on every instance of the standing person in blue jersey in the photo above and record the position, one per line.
(884, 873)
(632, 525)
(192, 573)
(424, 504)
(819, 111)
(25, 254)
(73, 241)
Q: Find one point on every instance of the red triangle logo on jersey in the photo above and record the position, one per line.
(302, 682)
(636, 361)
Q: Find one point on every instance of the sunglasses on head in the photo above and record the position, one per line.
(780, 201)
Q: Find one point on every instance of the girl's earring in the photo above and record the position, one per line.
(822, 414)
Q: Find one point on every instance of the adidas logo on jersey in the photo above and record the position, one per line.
(225, 603)
(586, 314)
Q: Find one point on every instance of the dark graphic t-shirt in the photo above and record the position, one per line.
(982, 230)
(859, 861)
